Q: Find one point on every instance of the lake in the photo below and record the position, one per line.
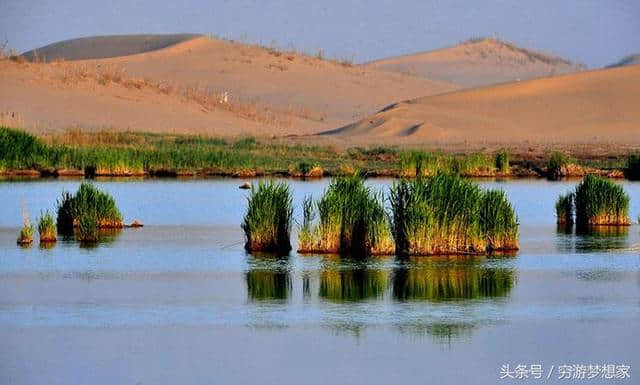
(180, 301)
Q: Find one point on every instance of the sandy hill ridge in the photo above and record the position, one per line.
(100, 47)
(587, 107)
(265, 92)
(478, 62)
(626, 61)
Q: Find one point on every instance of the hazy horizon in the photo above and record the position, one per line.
(595, 33)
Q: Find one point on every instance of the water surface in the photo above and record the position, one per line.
(179, 301)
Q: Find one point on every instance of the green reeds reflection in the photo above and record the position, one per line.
(449, 278)
(268, 278)
(340, 282)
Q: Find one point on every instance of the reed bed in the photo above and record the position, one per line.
(267, 222)
(449, 215)
(351, 220)
(556, 165)
(47, 228)
(87, 202)
(427, 164)
(565, 208)
(599, 201)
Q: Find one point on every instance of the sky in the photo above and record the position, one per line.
(591, 32)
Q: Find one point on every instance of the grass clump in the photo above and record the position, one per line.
(267, 223)
(565, 209)
(599, 201)
(351, 220)
(449, 215)
(25, 237)
(502, 161)
(47, 227)
(90, 201)
(88, 228)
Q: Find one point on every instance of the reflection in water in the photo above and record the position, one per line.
(592, 238)
(449, 278)
(268, 278)
(440, 331)
(351, 283)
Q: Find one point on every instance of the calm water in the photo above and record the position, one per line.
(180, 302)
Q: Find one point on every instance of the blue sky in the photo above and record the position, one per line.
(592, 32)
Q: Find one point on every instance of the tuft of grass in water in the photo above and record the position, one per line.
(450, 215)
(351, 220)
(502, 161)
(88, 227)
(47, 227)
(599, 201)
(91, 201)
(565, 208)
(267, 222)
(632, 169)
(26, 232)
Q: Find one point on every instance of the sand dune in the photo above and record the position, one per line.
(289, 93)
(588, 107)
(478, 62)
(626, 61)
(99, 47)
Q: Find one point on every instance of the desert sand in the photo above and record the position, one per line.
(594, 107)
(478, 62)
(100, 47)
(266, 92)
(215, 87)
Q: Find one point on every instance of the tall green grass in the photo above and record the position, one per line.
(565, 208)
(88, 201)
(267, 222)
(599, 201)
(351, 220)
(88, 228)
(450, 215)
(425, 164)
(47, 227)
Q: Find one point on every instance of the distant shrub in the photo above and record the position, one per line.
(557, 161)
(502, 161)
(632, 170)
